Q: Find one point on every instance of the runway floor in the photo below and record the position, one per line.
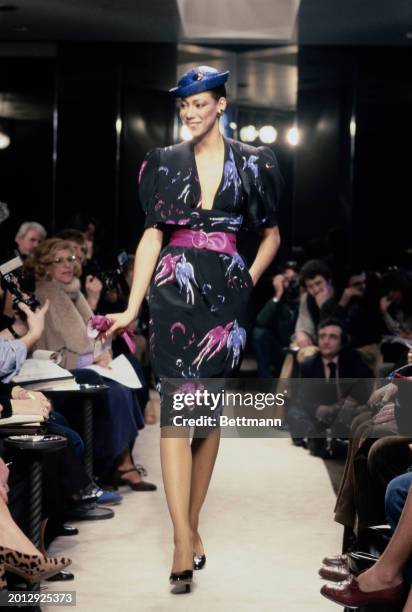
(267, 523)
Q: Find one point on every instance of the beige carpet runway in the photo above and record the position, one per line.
(267, 522)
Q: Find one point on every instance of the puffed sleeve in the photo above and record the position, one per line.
(265, 190)
(148, 186)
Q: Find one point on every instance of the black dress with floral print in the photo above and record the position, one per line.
(199, 298)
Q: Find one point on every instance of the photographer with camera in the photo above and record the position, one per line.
(276, 321)
(358, 307)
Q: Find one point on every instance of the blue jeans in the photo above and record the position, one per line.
(395, 498)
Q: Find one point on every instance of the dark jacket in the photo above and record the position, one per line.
(280, 318)
(354, 380)
(403, 402)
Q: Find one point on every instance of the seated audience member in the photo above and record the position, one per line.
(91, 285)
(28, 237)
(396, 308)
(118, 420)
(14, 544)
(360, 311)
(316, 304)
(389, 580)
(379, 451)
(18, 338)
(77, 486)
(275, 323)
(332, 406)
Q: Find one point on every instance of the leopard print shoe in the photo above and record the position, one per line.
(3, 581)
(32, 568)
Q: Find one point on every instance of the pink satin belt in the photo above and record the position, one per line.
(221, 242)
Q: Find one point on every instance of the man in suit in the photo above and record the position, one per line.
(333, 385)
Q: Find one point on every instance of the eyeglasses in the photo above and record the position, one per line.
(58, 261)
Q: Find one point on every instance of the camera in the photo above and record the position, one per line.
(293, 291)
(10, 282)
(111, 279)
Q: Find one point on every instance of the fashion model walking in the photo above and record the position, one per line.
(197, 195)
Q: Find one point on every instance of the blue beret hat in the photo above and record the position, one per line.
(198, 79)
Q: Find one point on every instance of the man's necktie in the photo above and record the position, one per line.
(332, 369)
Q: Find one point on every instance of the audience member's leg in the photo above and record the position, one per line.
(388, 570)
(10, 534)
(388, 457)
(345, 505)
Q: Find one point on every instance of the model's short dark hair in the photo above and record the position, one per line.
(74, 235)
(315, 267)
(218, 92)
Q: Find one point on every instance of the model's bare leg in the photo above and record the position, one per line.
(387, 571)
(176, 460)
(10, 534)
(204, 453)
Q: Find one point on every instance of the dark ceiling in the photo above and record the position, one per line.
(324, 22)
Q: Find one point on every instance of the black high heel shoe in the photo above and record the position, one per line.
(181, 581)
(199, 561)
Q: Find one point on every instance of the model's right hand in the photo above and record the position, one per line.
(120, 321)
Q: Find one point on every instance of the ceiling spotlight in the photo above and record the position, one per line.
(292, 136)
(185, 133)
(118, 126)
(4, 140)
(248, 133)
(408, 35)
(268, 134)
(233, 125)
(352, 127)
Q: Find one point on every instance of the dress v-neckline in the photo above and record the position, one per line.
(192, 147)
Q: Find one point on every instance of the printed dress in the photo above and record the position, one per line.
(199, 298)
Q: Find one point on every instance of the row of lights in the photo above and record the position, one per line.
(266, 134)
